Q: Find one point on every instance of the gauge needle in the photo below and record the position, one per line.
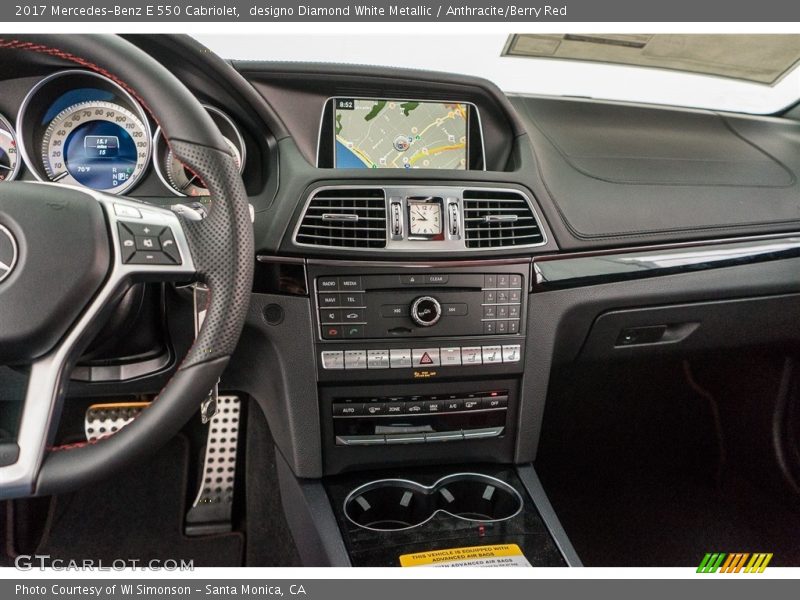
(61, 176)
(421, 217)
(6, 167)
(188, 183)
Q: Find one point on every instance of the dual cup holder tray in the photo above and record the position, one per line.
(437, 508)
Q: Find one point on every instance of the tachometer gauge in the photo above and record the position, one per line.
(9, 156)
(96, 144)
(176, 176)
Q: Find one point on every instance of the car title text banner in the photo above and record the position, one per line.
(413, 11)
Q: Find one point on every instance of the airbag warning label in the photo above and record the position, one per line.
(499, 555)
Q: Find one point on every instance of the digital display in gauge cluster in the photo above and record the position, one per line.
(77, 127)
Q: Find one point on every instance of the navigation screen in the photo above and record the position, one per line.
(400, 134)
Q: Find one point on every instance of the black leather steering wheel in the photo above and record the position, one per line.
(69, 254)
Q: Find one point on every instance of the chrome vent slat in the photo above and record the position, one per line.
(505, 231)
(361, 211)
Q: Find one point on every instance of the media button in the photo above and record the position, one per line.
(349, 284)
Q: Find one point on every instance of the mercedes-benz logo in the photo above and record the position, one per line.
(8, 253)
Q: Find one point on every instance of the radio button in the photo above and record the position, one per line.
(330, 315)
(514, 296)
(355, 359)
(490, 297)
(327, 284)
(328, 300)
(454, 310)
(492, 354)
(503, 280)
(350, 284)
(331, 332)
(378, 359)
(450, 356)
(471, 355)
(425, 357)
(353, 331)
(503, 296)
(513, 312)
(502, 312)
(348, 409)
(490, 281)
(394, 310)
(515, 281)
(489, 312)
(400, 359)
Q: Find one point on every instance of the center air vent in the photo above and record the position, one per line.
(345, 218)
(498, 219)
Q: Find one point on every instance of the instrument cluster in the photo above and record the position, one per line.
(80, 128)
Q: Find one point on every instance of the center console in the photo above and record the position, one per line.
(418, 364)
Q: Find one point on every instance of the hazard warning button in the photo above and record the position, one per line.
(425, 357)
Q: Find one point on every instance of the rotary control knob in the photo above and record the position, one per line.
(426, 311)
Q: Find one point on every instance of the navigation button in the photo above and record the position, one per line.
(355, 359)
(378, 359)
(450, 356)
(492, 354)
(471, 355)
(328, 300)
(400, 359)
(333, 359)
(425, 357)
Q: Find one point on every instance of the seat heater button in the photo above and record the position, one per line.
(378, 359)
(355, 359)
(400, 359)
(511, 354)
(425, 357)
(450, 356)
(333, 359)
(471, 355)
(492, 354)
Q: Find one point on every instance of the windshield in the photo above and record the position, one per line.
(699, 71)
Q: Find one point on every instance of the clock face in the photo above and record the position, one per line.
(426, 218)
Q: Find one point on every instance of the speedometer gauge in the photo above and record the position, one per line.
(9, 157)
(96, 144)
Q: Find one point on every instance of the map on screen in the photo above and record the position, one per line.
(400, 134)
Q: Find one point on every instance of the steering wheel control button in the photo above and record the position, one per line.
(147, 243)
(333, 359)
(426, 311)
(129, 212)
(425, 357)
(127, 243)
(168, 245)
(378, 359)
(400, 359)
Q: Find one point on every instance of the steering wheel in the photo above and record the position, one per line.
(69, 258)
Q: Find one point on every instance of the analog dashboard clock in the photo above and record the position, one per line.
(425, 218)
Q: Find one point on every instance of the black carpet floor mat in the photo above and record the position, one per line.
(137, 515)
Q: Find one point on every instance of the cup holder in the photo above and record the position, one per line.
(398, 504)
